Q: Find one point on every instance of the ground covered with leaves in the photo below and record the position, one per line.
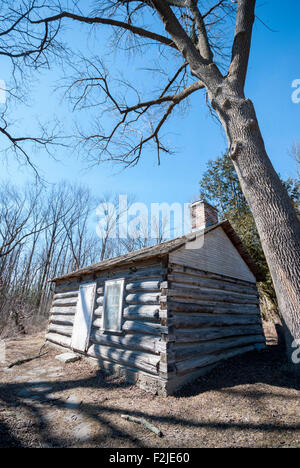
(249, 401)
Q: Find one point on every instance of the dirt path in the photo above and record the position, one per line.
(250, 401)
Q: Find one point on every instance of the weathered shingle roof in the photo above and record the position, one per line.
(163, 249)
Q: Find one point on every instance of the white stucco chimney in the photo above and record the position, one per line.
(202, 215)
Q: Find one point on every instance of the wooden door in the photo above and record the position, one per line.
(83, 317)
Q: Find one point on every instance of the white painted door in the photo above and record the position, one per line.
(83, 317)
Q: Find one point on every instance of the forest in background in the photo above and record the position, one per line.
(45, 233)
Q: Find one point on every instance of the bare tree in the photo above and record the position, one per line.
(21, 224)
(112, 217)
(16, 216)
(76, 227)
(145, 233)
(43, 233)
(192, 35)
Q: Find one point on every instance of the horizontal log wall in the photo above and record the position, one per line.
(140, 344)
(211, 317)
(62, 313)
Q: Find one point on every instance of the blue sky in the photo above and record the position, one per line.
(274, 64)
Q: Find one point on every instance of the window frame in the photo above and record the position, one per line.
(83, 317)
(120, 281)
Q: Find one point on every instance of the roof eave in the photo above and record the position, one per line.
(123, 261)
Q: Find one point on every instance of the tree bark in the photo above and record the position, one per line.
(274, 214)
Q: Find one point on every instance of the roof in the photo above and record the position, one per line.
(159, 250)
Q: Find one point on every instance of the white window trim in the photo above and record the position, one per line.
(120, 281)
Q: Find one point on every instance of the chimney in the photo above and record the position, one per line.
(202, 215)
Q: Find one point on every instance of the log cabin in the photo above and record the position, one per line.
(164, 315)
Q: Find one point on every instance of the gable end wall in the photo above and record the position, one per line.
(216, 255)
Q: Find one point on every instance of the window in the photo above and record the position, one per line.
(112, 307)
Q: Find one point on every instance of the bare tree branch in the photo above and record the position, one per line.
(213, 8)
(203, 42)
(20, 39)
(242, 43)
(108, 21)
(122, 135)
(208, 73)
(28, 47)
(176, 98)
(18, 144)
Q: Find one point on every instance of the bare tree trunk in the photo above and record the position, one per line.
(275, 217)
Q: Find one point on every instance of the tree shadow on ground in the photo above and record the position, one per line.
(265, 367)
(7, 439)
(17, 396)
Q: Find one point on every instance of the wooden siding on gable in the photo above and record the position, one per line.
(217, 255)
